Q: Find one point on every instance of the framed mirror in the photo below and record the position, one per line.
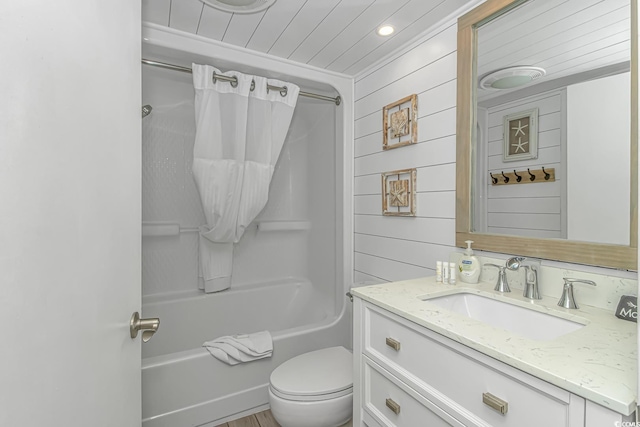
(547, 130)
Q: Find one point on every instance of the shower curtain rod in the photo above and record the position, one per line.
(337, 99)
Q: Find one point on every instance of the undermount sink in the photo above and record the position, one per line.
(527, 323)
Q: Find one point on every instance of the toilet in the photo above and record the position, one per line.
(313, 389)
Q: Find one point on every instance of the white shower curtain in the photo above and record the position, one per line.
(239, 135)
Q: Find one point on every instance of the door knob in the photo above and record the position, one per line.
(148, 326)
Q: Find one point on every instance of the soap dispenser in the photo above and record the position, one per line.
(469, 266)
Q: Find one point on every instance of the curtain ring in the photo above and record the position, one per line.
(532, 177)
(506, 178)
(283, 91)
(234, 82)
(253, 85)
(518, 177)
(493, 178)
(546, 174)
(213, 78)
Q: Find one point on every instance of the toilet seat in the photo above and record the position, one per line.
(315, 376)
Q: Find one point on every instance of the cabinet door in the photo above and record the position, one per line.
(368, 421)
(457, 378)
(597, 416)
(392, 403)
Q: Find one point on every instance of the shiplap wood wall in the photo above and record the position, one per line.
(534, 209)
(397, 248)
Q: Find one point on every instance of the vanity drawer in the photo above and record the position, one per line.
(392, 403)
(456, 378)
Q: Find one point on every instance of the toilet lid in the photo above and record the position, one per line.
(317, 375)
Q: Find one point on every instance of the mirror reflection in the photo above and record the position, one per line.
(554, 94)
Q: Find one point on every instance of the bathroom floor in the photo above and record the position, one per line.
(261, 419)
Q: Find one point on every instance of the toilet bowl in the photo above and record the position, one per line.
(313, 389)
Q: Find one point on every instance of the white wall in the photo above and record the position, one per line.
(396, 248)
(598, 133)
(392, 248)
(532, 209)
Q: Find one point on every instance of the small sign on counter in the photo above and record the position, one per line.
(628, 308)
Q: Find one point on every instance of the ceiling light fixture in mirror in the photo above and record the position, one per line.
(511, 77)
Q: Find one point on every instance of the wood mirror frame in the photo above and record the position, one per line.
(597, 254)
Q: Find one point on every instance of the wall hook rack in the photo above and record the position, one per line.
(515, 177)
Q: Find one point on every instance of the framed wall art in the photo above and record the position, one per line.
(520, 136)
(400, 123)
(399, 193)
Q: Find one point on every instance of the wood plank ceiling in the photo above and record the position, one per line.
(337, 35)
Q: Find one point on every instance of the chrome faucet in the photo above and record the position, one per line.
(511, 264)
(531, 288)
(567, 300)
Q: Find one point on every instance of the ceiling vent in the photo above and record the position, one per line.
(240, 6)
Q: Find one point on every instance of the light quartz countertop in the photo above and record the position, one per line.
(597, 362)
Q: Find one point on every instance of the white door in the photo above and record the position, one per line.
(69, 212)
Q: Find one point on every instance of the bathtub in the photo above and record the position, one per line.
(183, 385)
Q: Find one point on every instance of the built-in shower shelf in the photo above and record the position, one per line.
(284, 225)
(161, 229)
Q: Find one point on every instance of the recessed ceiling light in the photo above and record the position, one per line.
(239, 6)
(385, 30)
(509, 78)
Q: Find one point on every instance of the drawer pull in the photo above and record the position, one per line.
(393, 344)
(393, 406)
(496, 403)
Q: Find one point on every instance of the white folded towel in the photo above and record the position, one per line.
(241, 348)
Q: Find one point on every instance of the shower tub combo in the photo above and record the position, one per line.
(292, 267)
(184, 385)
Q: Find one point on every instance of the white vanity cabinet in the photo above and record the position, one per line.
(406, 375)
